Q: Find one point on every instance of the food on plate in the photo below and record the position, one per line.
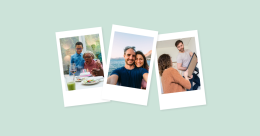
(78, 79)
(89, 81)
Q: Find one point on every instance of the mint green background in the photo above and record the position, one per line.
(229, 45)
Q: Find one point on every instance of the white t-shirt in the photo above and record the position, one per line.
(184, 58)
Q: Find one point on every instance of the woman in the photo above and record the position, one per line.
(95, 67)
(140, 62)
(171, 79)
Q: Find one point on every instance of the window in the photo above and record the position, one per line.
(67, 49)
(93, 44)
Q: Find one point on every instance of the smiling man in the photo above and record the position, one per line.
(183, 60)
(77, 58)
(128, 75)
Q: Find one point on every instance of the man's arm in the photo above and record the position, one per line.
(179, 66)
(112, 79)
(145, 77)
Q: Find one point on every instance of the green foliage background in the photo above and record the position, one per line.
(93, 44)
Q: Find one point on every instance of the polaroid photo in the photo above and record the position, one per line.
(130, 61)
(174, 53)
(82, 65)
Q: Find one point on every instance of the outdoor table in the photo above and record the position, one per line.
(80, 86)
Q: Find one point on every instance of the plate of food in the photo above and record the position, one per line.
(78, 79)
(90, 82)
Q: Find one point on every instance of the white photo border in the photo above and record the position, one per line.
(128, 94)
(82, 96)
(181, 99)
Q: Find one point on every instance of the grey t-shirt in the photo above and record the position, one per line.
(184, 58)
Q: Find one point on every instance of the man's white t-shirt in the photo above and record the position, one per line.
(184, 58)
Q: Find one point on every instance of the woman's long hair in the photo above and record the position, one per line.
(145, 65)
(164, 62)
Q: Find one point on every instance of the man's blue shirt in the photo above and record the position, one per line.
(130, 78)
(79, 62)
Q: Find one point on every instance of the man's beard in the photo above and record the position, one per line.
(128, 63)
(181, 50)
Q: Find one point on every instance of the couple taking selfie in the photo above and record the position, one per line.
(172, 80)
(135, 71)
(86, 61)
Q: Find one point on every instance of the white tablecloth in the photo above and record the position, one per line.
(80, 86)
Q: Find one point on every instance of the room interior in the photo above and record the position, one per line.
(168, 47)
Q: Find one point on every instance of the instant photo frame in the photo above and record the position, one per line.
(128, 94)
(83, 96)
(187, 98)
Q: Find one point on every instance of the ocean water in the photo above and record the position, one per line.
(117, 63)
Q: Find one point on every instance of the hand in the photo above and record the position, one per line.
(186, 73)
(190, 77)
(97, 72)
(94, 71)
(98, 63)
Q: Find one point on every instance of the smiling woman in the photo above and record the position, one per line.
(141, 62)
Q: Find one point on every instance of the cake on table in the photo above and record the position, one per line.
(85, 73)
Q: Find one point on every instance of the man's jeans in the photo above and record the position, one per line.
(196, 80)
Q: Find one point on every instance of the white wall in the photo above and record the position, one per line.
(168, 50)
(168, 47)
(191, 45)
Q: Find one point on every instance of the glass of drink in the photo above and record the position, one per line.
(70, 83)
(71, 86)
(73, 70)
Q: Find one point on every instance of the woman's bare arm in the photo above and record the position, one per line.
(145, 77)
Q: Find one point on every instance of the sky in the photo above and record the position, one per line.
(121, 40)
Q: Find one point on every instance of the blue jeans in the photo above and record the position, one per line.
(196, 80)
